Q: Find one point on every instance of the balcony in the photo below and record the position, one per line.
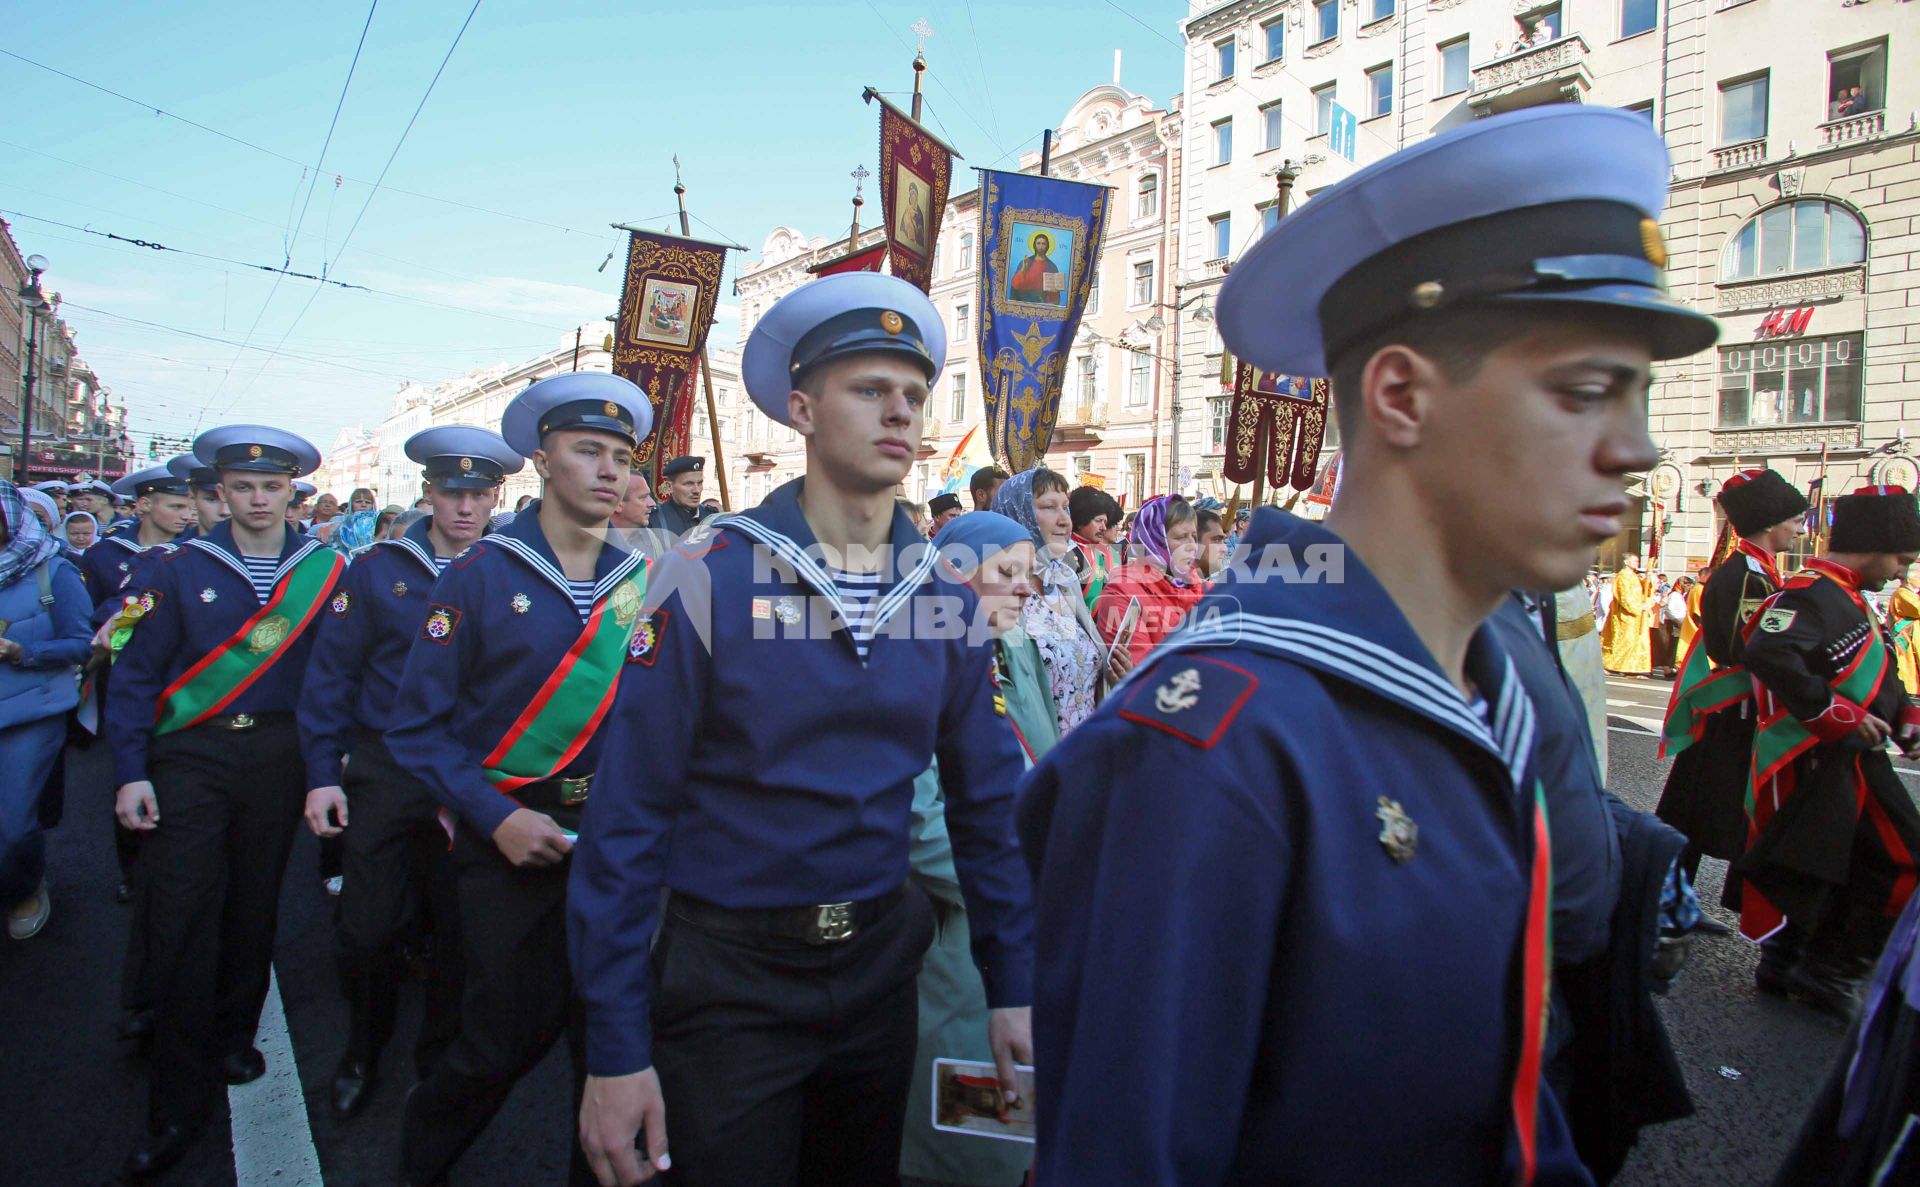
(1213, 269)
(1080, 421)
(1552, 73)
(1740, 156)
(1868, 125)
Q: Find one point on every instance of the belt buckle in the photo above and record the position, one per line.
(573, 792)
(832, 923)
(241, 721)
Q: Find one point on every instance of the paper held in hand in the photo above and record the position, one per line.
(967, 1098)
(1129, 621)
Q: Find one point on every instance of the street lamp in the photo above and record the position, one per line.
(34, 303)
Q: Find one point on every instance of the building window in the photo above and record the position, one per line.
(1642, 108)
(1223, 60)
(1148, 203)
(1093, 285)
(1809, 381)
(1275, 33)
(1139, 378)
(966, 251)
(1326, 20)
(1380, 91)
(960, 320)
(1273, 124)
(1143, 282)
(1082, 463)
(1217, 408)
(1538, 26)
(957, 404)
(1638, 16)
(1454, 71)
(1223, 142)
(1380, 10)
(1089, 395)
(1269, 216)
(1136, 464)
(1323, 98)
(1743, 110)
(1857, 81)
(1794, 237)
(1220, 227)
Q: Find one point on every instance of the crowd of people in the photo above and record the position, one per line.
(830, 832)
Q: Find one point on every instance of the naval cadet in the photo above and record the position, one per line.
(774, 1022)
(525, 637)
(1831, 860)
(1373, 823)
(209, 509)
(393, 839)
(207, 758)
(681, 480)
(162, 510)
(92, 496)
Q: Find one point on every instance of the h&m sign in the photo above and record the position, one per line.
(1784, 323)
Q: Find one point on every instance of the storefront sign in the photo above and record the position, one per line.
(1782, 323)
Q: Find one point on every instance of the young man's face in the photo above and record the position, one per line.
(1882, 567)
(167, 513)
(257, 501)
(585, 472)
(89, 502)
(983, 495)
(1561, 415)
(863, 427)
(461, 515)
(208, 508)
(1781, 536)
(636, 506)
(943, 519)
(684, 489)
(1213, 549)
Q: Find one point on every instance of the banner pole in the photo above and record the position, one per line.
(706, 373)
(919, 72)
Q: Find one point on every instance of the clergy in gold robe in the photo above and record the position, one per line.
(1903, 618)
(1690, 625)
(1626, 645)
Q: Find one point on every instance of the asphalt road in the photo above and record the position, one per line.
(72, 1099)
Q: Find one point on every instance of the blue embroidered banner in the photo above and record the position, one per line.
(1040, 241)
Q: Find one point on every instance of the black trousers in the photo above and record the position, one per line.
(518, 1000)
(785, 1064)
(229, 802)
(398, 872)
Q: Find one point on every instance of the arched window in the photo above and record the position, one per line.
(1148, 203)
(1794, 237)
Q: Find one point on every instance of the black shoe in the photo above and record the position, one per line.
(244, 1067)
(1709, 926)
(137, 1026)
(1773, 978)
(156, 1152)
(123, 893)
(1831, 991)
(352, 1085)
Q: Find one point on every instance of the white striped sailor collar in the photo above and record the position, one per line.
(125, 534)
(219, 544)
(1355, 632)
(416, 543)
(779, 526)
(523, 540)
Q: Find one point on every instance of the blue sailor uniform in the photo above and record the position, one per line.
(1308, 971)
(105, 566)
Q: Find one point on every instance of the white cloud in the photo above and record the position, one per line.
(563, 305)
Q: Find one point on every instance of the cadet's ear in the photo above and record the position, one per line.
(539, 466)
(800, 412)
(1399, 388)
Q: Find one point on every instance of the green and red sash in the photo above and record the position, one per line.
(1100, 563)
(1701, 691)
(222, 674)
(570, 704)
(1535, 1001)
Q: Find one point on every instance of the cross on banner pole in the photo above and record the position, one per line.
(706, 370)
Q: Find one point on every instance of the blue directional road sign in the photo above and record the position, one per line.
(1344, 131)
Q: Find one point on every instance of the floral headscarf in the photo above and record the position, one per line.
(1014, 500)
(29, 543)
(1150, 534)
(353, 532)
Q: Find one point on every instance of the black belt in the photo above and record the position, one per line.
(823, 923)
(243, 721)
(556, 795)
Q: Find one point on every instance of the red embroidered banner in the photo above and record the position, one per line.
(867, 259)
(1276, 424)
(914, 171)
(666, 309)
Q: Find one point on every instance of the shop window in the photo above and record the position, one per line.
(1806, 381)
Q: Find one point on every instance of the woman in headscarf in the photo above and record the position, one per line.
(355, 532)
(1057, 618)
(996, 557)
(1903, 618)
(45, 639)
(362, 500)
(1159, 574)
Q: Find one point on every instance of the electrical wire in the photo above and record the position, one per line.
(327, 142)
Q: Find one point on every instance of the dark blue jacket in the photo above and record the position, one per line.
(201, 597)
(1243, 981)
(752, 760)
(106, 566)
(372, 619)
(509, 620)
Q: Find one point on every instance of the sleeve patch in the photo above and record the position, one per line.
(1776, 620)
(1191, 697)
(441, 621)
(643, 647)
(341, 603)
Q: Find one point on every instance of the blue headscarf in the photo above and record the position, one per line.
(29, 543)
(970, 539)
(1014, 500)
(353, 532)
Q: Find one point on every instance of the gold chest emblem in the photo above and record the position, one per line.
(268, 633)
(626, 604)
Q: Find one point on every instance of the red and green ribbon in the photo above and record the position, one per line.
(1536, 973)
(1701, 691)
(222, 674)
(555, 726)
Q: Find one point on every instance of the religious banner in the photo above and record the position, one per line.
(1039, 241)
(1275, 426)
(867, 259)
(666, 309)
(914, 171)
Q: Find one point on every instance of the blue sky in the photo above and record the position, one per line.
(564, 114)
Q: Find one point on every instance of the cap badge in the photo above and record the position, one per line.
(253, 451)
(466, 463)
(521, 603)
(892, 322)
(1427, 294)
(1652, 243)
(613, 409)
(1399, 835)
